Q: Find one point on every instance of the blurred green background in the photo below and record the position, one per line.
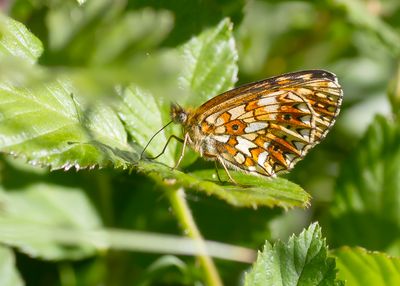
(353, 175)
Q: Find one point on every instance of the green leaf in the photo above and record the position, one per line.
(17, 41)
(9, 275)
(50, 124)
(19, 50)
(359, 267)
(141, 30)
(360, 16)
(45, 205)
(301, 261)
(210, 62)
(141, 114)
(366, 203)
(252, 192)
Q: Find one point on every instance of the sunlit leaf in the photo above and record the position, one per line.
(141, 114)
(17, 41)
(9, 275)
(359, 267)
(210, 64)
(50, 125)
(252, 192)
(301, 261)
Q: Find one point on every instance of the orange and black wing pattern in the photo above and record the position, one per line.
(267, 126)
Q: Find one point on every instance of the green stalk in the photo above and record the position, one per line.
(185, 218)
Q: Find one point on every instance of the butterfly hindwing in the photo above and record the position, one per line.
(266, 127)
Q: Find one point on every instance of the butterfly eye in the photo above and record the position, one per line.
(182, 117)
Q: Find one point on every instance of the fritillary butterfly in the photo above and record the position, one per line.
(264, 127)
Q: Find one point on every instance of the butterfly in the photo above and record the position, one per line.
(264, 127)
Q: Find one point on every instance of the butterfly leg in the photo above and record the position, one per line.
(151, 139)
(227, 171)
(183, 150)
(216, 171)
(165, 146)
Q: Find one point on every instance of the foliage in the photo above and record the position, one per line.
(361, 267)
(301, 261)
(84, 85)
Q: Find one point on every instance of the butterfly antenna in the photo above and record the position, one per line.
(152, 137)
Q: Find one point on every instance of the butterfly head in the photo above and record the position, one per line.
(178, 114)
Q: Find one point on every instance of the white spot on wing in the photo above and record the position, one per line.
(290, 157)
(255, 126)
(236, 111)
(211, 119)
(220, 130)
(306, 119)
(221, 138)
(250, 136)
(303, 107)
(271, 108)
(240, 158)
(293, 96)
(305, 133)
(299, 145)
(262, 158)
(332, 84)
(267, 100)
(244, 145)
(219, 121)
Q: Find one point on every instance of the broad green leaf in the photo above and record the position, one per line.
(366, 203)
(45, 205)
(142, 117)
(9, 275)
(51, 125)
(17, 41)
(19, 50)
(359, 267)
(210, 64)
(252, 192)
(301, 261)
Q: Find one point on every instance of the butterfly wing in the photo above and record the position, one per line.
(267, 126)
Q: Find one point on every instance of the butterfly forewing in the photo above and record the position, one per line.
(267, 126)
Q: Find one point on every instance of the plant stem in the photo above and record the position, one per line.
(184, 215)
